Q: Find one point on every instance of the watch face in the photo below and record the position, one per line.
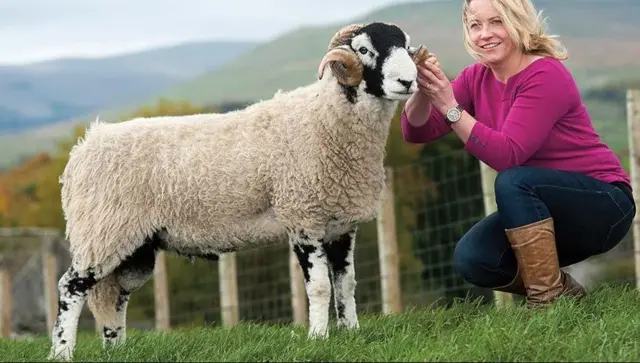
(453, 114)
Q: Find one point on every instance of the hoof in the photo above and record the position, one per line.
(318, 334)
(348, 325)
(63, 354)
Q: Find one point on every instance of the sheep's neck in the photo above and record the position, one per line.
(355, 142)
(355, 133)
(351, 162)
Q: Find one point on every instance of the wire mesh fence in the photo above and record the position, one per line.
(434, 202)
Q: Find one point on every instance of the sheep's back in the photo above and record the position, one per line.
(130, 179)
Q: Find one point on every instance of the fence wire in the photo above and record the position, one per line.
(436, 200)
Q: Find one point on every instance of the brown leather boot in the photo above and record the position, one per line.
(535, 248)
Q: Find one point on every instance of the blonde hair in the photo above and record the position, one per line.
(525, 27)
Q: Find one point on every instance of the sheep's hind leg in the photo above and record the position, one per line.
(340, 253)
(109, 299)
(315, 267)
(108, 303)
(73, 288)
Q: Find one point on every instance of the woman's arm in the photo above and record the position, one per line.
(541, 101)
(420, 121)
(416, 108)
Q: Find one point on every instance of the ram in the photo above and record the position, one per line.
(306, 165)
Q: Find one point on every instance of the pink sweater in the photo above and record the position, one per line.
(536, 119)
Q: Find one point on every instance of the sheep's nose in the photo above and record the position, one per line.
(405, 83)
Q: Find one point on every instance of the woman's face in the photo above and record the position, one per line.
(487, 32)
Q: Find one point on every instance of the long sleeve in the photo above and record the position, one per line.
(436, 126)
(540, 102)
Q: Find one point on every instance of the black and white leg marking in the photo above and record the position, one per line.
(73, 288)
(116, 334)
(131, 275)
(315, 267)
(340, 255)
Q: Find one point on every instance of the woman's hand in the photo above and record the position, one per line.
(418, 107)
(423, 81)
(435, 84)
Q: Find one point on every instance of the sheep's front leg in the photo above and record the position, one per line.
(340, 255)
(315, 267)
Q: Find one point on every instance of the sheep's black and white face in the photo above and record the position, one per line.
(389, 70)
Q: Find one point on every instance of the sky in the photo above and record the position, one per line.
(34, 30)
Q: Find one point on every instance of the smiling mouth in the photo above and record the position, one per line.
(490, 45)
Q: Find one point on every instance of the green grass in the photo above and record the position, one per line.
(603, 327)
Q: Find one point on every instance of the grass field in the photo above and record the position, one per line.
(603, 327)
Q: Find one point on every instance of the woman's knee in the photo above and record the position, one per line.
(517, 198)
(511, 181)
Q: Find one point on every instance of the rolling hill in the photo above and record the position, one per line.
(40, 93)
(602, 37)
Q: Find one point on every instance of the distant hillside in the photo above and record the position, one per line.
(38, 94)
(603, 37)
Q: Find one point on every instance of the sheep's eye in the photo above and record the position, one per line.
(363, 50)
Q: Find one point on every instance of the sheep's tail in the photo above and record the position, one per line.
(76, 170)
(75, 161)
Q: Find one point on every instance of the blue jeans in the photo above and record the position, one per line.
(590, 218)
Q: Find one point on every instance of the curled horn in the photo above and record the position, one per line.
(343, 35)
(419, 54)
(345, 65)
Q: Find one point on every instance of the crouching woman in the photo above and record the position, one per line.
(562, 194)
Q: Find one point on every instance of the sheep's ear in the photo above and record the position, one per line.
(345, 66)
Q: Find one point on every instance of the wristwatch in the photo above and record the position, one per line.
(454, 114)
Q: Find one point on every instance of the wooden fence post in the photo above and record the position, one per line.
(6, 300)
(633, 136)
(228, 276)
(488, 177)
(50, 279)
(388, 249)
(49, 240)
(161, 293)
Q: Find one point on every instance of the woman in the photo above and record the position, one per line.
(561, 193)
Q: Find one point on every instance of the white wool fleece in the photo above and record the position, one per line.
(217, 182)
